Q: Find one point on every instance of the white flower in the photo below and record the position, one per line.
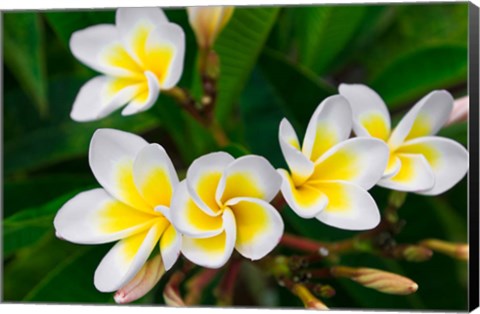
(419, 162)
(139, 56)
(138, 180)
(208, 22)
(330, 174)
(224, 204)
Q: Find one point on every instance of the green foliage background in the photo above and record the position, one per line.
(276, 62)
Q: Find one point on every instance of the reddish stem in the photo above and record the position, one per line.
(227, 286)
(311, 246)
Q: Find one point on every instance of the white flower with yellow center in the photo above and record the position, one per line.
(224, 204)
(419, 162)
(330, 174)
(138, 181)
(208, 22)
(139, 56)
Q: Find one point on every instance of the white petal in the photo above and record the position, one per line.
(305, 200)
(415, 174)
(154, 175)
(94, 217)
(146, 98)
(170, 245)
(249, 176)
(425, 118)
(447, 158)
(135, 24)
(111, 157)
(189, 219)
(300, 166)
(125, 259)
(212, 252)
(97, 99)
(94, 44)
(259, 226)
(349, 207)
(370, 114)
(330, 124)
(358, 160)
(165, 49)
(203, 177)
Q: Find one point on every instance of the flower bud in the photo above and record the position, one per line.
(207, 23)
(142, 283)
(415, 253)
(377, 279)
(456, 250)
(171, 292)
(307, 298)
(459, 111)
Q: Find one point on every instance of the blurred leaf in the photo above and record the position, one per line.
(49, 143)
(376, 20)
(457, 132)
(322, 33)
(21, 274)
(416, 73)
(238, 47)
(415, 27)
(236, 150)
(41, 189)
(300, 90)
(24, 55)
(29, 226)
(78, 268)
(66, 23)
(261, 111)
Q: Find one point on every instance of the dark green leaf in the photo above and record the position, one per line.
(300, 90)
(51, 143)
(29, 226)
(41, 189)
(416, 73)
(238, 47)
(24, 55)
(322, 32)
(66, 23)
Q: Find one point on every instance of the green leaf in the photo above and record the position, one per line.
(41, 189)
(55, 271)
(299, 88)
(29, 226)
(416, 73)
(415, 27)
(71, 280)
(322, 33)
(24, 55)
(61, 139)
(261, 111)
(238, 47)
(457, 132)
(66, 23)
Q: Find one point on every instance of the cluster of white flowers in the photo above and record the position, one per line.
(224, 203)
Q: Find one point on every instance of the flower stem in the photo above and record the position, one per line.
(311, 246)
(226, 288)
(219, 134)
(197, 283)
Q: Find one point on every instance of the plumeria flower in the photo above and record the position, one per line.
(224, 204)
(330, 174)
(208, 22)
(419, 161)
(138, 180)
(138, 57)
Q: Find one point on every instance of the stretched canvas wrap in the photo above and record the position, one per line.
(314, 157)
